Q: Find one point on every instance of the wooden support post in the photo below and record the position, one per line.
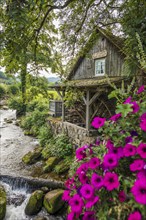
(63, 107)
(87, 110)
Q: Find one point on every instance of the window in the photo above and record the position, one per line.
(100, 67)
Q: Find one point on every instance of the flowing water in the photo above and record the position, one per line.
(16, 202)
(18, 192)
(13, 146)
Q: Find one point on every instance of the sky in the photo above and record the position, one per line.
(42, 72)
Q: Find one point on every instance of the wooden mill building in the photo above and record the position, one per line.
(101, 62)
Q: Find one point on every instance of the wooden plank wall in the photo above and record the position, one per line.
(114, 61)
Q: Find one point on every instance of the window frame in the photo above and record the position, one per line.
(95, 65)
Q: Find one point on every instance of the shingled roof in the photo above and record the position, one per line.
(102, 82)
(115, 40)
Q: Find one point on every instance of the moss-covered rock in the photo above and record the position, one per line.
(2, 203)
(40, 218)
(32, 156)
(50, 163)
(26, 132)
(46, 152)
(53, 201)
(35, 203)
(62, 167)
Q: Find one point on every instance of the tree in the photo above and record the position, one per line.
(22, 50)
(134, 21)
(29, 33)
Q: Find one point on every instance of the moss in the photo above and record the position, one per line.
(53, 201)
(2, 203)
(50, 163)
(26, 132)
(35, 203)
(32, 156)
(62, 167)
(46, 152)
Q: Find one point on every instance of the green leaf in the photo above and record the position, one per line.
(124, 109)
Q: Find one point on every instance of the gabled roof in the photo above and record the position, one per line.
(115, 40)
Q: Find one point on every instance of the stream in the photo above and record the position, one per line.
(14, 176)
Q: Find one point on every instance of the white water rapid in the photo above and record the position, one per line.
(16, 202)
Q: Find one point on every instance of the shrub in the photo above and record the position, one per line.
(13, 89)
(109, 181)
(3, 91)
(34, 121)
(45, 135)
(58, 146)
(41, 105)
(17, 104)
(61, 147)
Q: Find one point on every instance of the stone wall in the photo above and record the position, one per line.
(78, 135)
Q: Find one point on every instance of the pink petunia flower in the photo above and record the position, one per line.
(111, 181)
(135, 216)
(81, 153)
(143, 116)
(110, 161)
(109, 144)
(118, 151)
(87, 191)
(129, 150)
(128, 139)
(128, 100)
(115, 117)
(93, 163)
(76, 204)
(142, 175)
(66, 195)
(135, 107)
(137, 165)
(89, 215)
(71, 216)
(98, 122)
(91, 202)
(143, 125)
(122, 196)
(70, 183)
(83, 168)
(97, 181)
(139, 191)
(141, 89)
(141, 150)
(83, 178)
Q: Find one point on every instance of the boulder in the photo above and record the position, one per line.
(62, 167)
(35, 203)
(40, 218)
(2, 203)
(45, 189)
(53, 201)
(17, 122)
(5, 107)
(32, 156)
(50, 163)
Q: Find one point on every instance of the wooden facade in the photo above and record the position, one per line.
(103, 47)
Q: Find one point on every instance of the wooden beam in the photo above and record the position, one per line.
(95, 96)
(59, 93)
(84, 99)
(87, 110)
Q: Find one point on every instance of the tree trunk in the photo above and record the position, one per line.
(23, 87)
